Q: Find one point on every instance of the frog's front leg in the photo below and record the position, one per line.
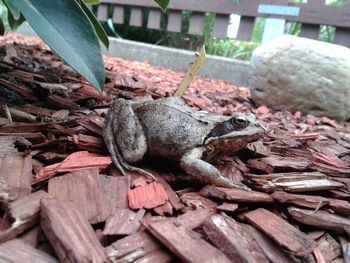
(124, 136)
(192, 164)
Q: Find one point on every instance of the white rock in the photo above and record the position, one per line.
(302, 74)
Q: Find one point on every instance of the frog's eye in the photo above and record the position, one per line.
(241, 120)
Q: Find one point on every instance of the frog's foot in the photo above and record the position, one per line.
(139, 170)
(122, 165)
(205, 172)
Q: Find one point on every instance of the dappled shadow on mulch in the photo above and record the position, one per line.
(57, 179)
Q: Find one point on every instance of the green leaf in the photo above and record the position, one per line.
(12, 8)
(2, 27)
(92, 2)
(64, 26)
(14, 18)
(163, 4)
(14, 23)
(101, 33)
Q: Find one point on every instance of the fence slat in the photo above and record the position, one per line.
(118, 14)
(314, 12)
(320, 15)
(309, 31)
(102, 12)
(197, 23)
(342, 37)
(246, 27)
(136, 16)
(220, 26)
(154, 19)
(316, 2)
(174, 21)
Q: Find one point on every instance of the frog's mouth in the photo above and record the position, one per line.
(251, 134)
(229, 145)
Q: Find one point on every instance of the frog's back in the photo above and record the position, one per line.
(170, 128)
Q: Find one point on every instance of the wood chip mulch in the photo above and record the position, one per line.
(63, 200)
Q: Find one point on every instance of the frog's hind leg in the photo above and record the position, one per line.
(108, 137)
(124, 137)
(128, 132)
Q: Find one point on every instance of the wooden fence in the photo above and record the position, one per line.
(311, 15)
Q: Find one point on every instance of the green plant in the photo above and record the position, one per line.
(69, 28)
(231, 48)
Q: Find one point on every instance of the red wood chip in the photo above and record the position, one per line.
(89, 90)
(331, 161)
(263, 109)
(147, 196)
(297, 115)
(306, 136)
(74, 162)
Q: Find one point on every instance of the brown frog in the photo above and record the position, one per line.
(170, 129)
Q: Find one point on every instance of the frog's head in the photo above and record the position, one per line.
(235, 133)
